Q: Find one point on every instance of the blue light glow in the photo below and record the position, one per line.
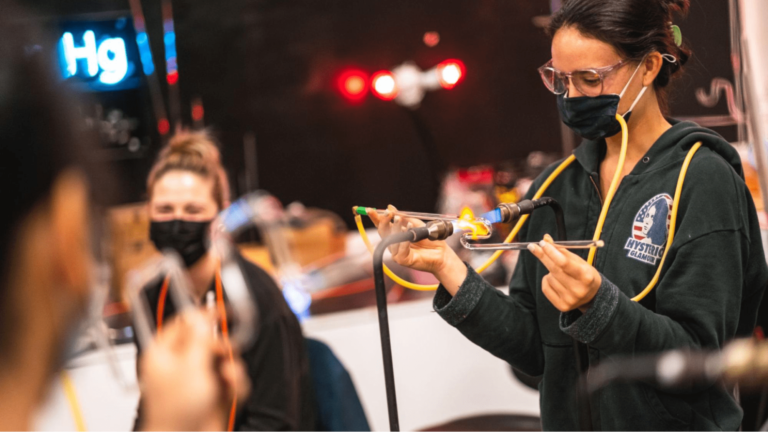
(298, 300)
(170, 38)
(236, 216)
(170, 50)
(145, 53)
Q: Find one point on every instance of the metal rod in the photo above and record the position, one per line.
(758, 133)
(414, 215)
(479, 228)
(171, 64)
(752, 32)
(738, 75)
(251, 165)
(148, 66)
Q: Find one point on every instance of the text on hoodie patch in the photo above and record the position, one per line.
(649, 230)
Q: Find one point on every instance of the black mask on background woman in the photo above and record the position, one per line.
(189, 239)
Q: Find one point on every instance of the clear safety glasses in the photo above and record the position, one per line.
(589, 82)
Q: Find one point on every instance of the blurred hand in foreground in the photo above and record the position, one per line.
(187, 379)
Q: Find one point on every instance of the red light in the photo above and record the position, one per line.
(172, 78)
(384, 86)
(163, 126)
(431, 38)
(450, 73)
(197, 112)
(353, 85)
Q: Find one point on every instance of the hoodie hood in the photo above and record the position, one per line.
(671, 148)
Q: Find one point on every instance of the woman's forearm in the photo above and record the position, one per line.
(452, 273)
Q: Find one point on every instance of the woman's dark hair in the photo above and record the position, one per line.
(634, 28)
(39, 139)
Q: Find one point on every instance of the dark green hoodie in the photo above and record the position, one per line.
(711, 284)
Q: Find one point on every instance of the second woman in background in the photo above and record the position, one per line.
(187, 187)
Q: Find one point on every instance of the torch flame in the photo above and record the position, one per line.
(467, 222)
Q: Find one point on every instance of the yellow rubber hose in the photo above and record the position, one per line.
(612, 189)
(672, 223)
(492, 259)
(74, 405)
(600, 222)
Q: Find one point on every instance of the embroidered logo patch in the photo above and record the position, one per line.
(649, 230)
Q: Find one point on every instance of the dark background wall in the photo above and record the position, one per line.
(269, 67)
(276, 78)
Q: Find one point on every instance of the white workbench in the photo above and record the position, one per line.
(439, 374)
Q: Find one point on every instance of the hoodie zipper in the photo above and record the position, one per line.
(592, 179)
(586, 368)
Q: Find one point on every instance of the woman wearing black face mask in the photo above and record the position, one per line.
(615, 57)
(187, 188)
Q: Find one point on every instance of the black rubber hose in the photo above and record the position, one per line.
(580, 350)
(559, 215)
(381, 305)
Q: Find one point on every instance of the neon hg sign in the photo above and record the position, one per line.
(103, 55)
(107, 60)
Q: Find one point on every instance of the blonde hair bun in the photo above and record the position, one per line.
(197, 152)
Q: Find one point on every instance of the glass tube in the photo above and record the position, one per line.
(570, 244)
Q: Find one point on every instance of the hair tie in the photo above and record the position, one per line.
(669, 57)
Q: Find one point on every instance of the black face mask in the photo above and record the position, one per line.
(591, 117)
(187, 238)
(594, 117)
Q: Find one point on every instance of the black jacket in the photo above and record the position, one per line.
(281, 396)
(711, 284)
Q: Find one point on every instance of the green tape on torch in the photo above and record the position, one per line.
(363, 211)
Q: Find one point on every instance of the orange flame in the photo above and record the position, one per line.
(467, 222)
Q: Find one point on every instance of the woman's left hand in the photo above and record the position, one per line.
(571, 283)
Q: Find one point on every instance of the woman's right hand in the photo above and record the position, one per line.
(435, 257)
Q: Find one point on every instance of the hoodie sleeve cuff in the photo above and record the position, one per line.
(455, 309)
(586, 327)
